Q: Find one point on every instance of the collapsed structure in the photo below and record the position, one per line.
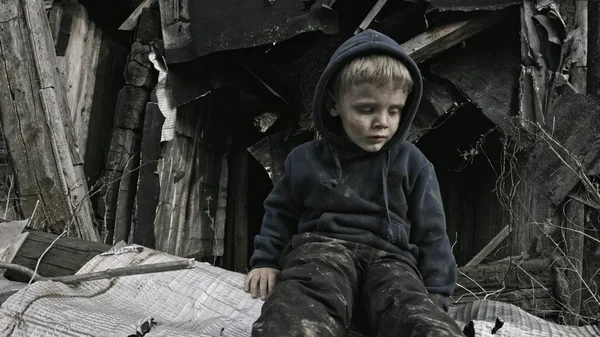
(167, 126)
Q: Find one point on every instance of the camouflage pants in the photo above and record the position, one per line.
(326, 285)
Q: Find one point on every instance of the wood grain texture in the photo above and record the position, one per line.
(47, 165)
(65, 257)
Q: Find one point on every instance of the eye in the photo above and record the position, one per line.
(394, 112)
(365, 109)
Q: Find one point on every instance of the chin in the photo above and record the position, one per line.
(372, 148)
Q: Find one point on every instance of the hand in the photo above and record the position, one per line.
(263, 279)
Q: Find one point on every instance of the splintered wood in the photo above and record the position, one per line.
(36, 124)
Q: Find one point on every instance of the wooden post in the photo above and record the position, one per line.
(116, 204)
(37, 126)
(573, 224)
(237, 203)
(580, 45)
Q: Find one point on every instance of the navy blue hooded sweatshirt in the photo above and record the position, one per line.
(388, 199)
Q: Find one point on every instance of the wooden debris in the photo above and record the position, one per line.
(525, 283)
(425, 46)
(131, 21)
(574, 224)
(79, 67)
(191, 172)
(66, 256)
(579, 56)
(237, 210)
(125, 271)
(105, 274)
(148, 187)
(489, 247)
(36, 124)
(371, 16)
(120, 176)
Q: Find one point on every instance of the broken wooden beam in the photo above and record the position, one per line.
(434, 41)
(37, 126)
(477, 259)
(579, 56)
(371, 16)
(132, 20)
(526, 283)
(66, 256)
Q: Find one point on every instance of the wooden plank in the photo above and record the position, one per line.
(489, 247)
(37, 126)
(190, 172)
(148, 188)
(132, 20)
(66, 256)
(429, 44)
(579, 53)
(79, 67)
(574, 223)
(117, 201)
(237, 215)
(371, 16)
(593, 87)
(525, 283)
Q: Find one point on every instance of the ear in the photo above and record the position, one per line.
(330, 105)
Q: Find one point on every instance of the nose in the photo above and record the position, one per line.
(381, 120)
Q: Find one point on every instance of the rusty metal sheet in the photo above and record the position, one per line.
(195, 28)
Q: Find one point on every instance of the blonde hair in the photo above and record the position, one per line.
(381, 70)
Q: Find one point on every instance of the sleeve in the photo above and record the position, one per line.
(280, 222)
(436, 261)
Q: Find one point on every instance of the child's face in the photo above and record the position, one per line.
(370, 115)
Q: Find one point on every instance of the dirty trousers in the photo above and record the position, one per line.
(327, 284)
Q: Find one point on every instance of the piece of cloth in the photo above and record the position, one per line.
(388, 200)
(327, 285)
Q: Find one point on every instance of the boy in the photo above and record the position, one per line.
(356, 224)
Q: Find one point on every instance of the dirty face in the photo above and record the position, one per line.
(369, 114)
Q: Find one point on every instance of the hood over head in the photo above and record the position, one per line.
(365, 43)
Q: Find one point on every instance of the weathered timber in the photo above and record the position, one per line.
(79, 67)
(237, 203)
(434, 41)
(489, 247)
(525, 283)
(189, 219)
(66, 256)
(37, 125)
(371, 16)
(573, 224)
(579, 55)
(111, 61)
(486, 73)
(132, 20)
(9, 209)
(563, 154)
(593, 76)
(116, 204)
(148, 188)
(61, 17)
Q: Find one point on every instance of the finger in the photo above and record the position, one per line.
(264, 283)
(272, 281)
(254, 285)
(247, 282)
